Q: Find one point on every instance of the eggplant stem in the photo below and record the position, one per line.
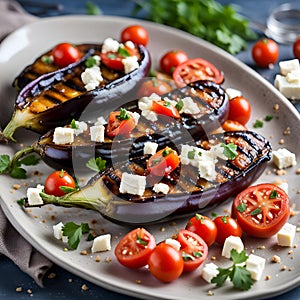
(21, 153)
(3, 139)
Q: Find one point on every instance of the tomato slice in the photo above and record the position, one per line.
(196, 69)
(165, 108)
(193, 249)
(231, 125)
(163, 162)
(261, 210)
(134, 249)
(120, 123)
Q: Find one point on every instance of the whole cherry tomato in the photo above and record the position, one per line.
(226, 226)
(261, 210)
(57, 181)
(135, 33)
(230, 125)
(135, 248)
(204, 227)
(65, 54)
(239, 110)
(170, 60)
(265, 52)
(165, 263)
(296, 48)
(153, 85)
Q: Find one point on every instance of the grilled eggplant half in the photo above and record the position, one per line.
(188, 190)
(55, 98)
(210, 98)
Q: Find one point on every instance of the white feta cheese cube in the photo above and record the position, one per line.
(130, 63)
(97, 133)
(284, 158)
(209, 271)
(293, 77)
(174, 243)
(286, 235)
(63, 135)
(110, 45)
(132, 184)
(91, 77)
(161, 188)
(189, 106)
(101, 243)
(57, 230)
(232, 93)
(255, 265)
(81, 126)
(100, 121)
(150, 148)
(232, 242)
(33, 195)
(287, 66)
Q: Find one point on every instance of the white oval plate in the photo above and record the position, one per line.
(24, 45)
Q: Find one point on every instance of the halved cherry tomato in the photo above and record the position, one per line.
(196, 69)
(165, 108)
(65, 54)
(239, 110)
(163, 162)
(56, 180)
(135, 33)
(193, 249)
(120, 123)
(261, 210)
(204, 227)
(153, 85)
(226, 226)
(230, 125)
(170, 60)
(265, 52)
(165, 263)
(135, 248)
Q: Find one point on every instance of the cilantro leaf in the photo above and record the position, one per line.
(238, 257)
(241, 278)
(74, 233)
(96, 164)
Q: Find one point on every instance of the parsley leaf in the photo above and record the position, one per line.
(74, 233)
(96, 164)
(4, 163)
(230, 150)
(124, 115)
(258, 124)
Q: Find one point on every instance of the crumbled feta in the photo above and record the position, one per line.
(101, 243)
(207, 169)
(255, 265)
(209, 271)
(232, 93)
(97, 58)
(80, 127)
(284, 158)
(161, 188)
(136, 117)
(174, 243)
(33, 195)
(130, 63)
(150, 148)
(287, 66)
(63, 135)
(97, 133)
(91, 77)
(286, 235)
(145, 105)
(100, 121)
(110, 45)
(232, 242)
(132, 184)
(130, 45)
(57, 230)
(189, 106)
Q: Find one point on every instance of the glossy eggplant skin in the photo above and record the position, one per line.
(164, 132)
(61, 109)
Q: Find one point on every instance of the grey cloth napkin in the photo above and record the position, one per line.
(12, 244)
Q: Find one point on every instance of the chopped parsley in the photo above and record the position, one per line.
(274, 194)
(90, 62)
(256, 212)
(96, 164)
(258, 124)
(179, 105)
(191, 154)
(123, 52)
(242, 207)
(268, 118)
(124, 115)
(73, 124)
(230, 150)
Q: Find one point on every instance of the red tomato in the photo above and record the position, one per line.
(204, 227)
(65, 54)
(153, 85)
(230, 125)
(165, 108)
(296, 48)
(163, 162)
(165, 263)
(265, 52)
(239, 110)
(226, 226)
(56, 180)
(261, 210)
(193, 249)
(135, 248)
(196, 69)
(135, 33)
(120, 123)
(170, 60)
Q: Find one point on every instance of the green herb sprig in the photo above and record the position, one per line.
(74, 233)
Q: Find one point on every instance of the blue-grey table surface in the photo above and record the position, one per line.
(60, 288)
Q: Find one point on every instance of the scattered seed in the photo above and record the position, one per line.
(276, 259)
(268, 277)
(84, 287)
(52, 275)
(19, 289)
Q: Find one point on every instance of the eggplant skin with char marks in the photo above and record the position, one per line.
(55, 98)
(188, 192)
